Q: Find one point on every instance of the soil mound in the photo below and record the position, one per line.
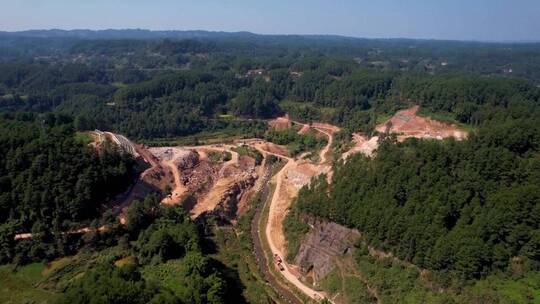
(362, 144)
(280, 123)
(406, 123)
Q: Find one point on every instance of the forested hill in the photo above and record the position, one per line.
(122, 34)
(58, 188)
(464, 209)
(168, 88)
(51, 182)
(509, 59)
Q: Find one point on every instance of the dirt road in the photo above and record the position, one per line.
(324, 151)
(326, 129)
(304, 127)
(24, 236)
(260, 256)
(279, 204)
(178, 191)
(271, 233)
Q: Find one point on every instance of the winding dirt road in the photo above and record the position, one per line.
(289, 276)
(280, 200)
(179, 189)
(279, 204)
(324, 151)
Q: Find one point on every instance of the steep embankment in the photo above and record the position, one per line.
(294, 175)
(323, 247)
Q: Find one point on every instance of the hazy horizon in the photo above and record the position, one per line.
(479, 20)
(267, 34)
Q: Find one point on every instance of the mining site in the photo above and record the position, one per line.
(219, 180)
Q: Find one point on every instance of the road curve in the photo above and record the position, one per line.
(324, 151)
(287, 274)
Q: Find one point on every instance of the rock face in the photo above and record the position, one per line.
(188, 160)
(227, 206)
(321, 245)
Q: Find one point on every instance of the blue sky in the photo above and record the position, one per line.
(499, 20)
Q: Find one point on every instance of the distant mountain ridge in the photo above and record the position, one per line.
(193, 34)
(178, 34)
(150, 34)
(121, 34)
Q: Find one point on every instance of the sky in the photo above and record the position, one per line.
(485, 20)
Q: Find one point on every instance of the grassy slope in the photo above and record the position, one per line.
(21, 286)
(83, 137)
(400, 283)
(42, 283)
(223, 136)
(251, 152)
(521, 289)
(346, 287)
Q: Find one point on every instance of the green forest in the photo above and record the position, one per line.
(171, 266)
(149, 89)
(465, 212)
(52, 182)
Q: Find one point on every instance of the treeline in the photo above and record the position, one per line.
(465, 209)
(465, 99)
(170, 88)
(138, 48)
(50, 182)
(471, 100)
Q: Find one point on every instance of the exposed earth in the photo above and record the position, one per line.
(221, 179)
(406, 123)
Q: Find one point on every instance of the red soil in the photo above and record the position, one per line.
(406, 124)
(280, 123)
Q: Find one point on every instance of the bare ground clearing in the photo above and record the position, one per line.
(405, 124)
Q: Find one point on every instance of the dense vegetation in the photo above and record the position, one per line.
(168, 266)
(170, 88)
(464, 208)
(50, 181)
(295, 142)
(54, 183)
(160, 259)
(466, 211)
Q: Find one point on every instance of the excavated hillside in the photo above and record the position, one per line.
(325, 242)
(211, 180)
(406, 123)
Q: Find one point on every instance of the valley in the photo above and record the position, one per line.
(217, 181)
(176, 167)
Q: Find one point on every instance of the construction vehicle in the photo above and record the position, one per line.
(279, 262)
